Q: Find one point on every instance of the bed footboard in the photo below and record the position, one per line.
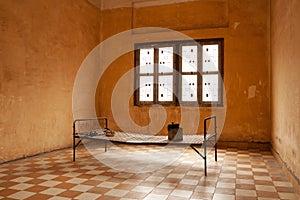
(87, 125)
(210, 140)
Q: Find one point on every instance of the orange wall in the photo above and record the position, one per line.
(285, 40)
(244, 25)
(42, 45)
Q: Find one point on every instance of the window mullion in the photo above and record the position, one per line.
(165, 74)
(155, 85)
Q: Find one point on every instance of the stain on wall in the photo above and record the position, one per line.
(246, 63)
(42, 45)
(285, 40)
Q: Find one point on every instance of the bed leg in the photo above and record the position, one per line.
(216, 152)
(205, 166)
(105, 146)
(74, 149)
(205, 157)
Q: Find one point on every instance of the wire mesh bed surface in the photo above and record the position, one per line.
(124, 137)
(93, 132)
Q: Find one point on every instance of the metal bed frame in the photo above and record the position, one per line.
(209, 139)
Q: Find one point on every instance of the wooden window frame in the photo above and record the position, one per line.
(177, 72)
(220, 102)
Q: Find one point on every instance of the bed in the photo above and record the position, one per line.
(96, 129)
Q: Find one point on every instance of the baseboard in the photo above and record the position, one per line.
(244, 145)
(292, 177)
(33, 155)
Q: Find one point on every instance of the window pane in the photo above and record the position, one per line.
(147, 60)
(210, 55)
(165, 88)
(146, 88)
(210, 87)
(165, 59)
(189, 88)
(189, 58)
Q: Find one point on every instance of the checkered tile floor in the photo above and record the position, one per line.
(238, 174)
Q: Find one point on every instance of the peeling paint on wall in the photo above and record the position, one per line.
(42, 45)
(285, 40)
(251, 91)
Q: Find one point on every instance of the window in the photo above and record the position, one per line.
(181, 72)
